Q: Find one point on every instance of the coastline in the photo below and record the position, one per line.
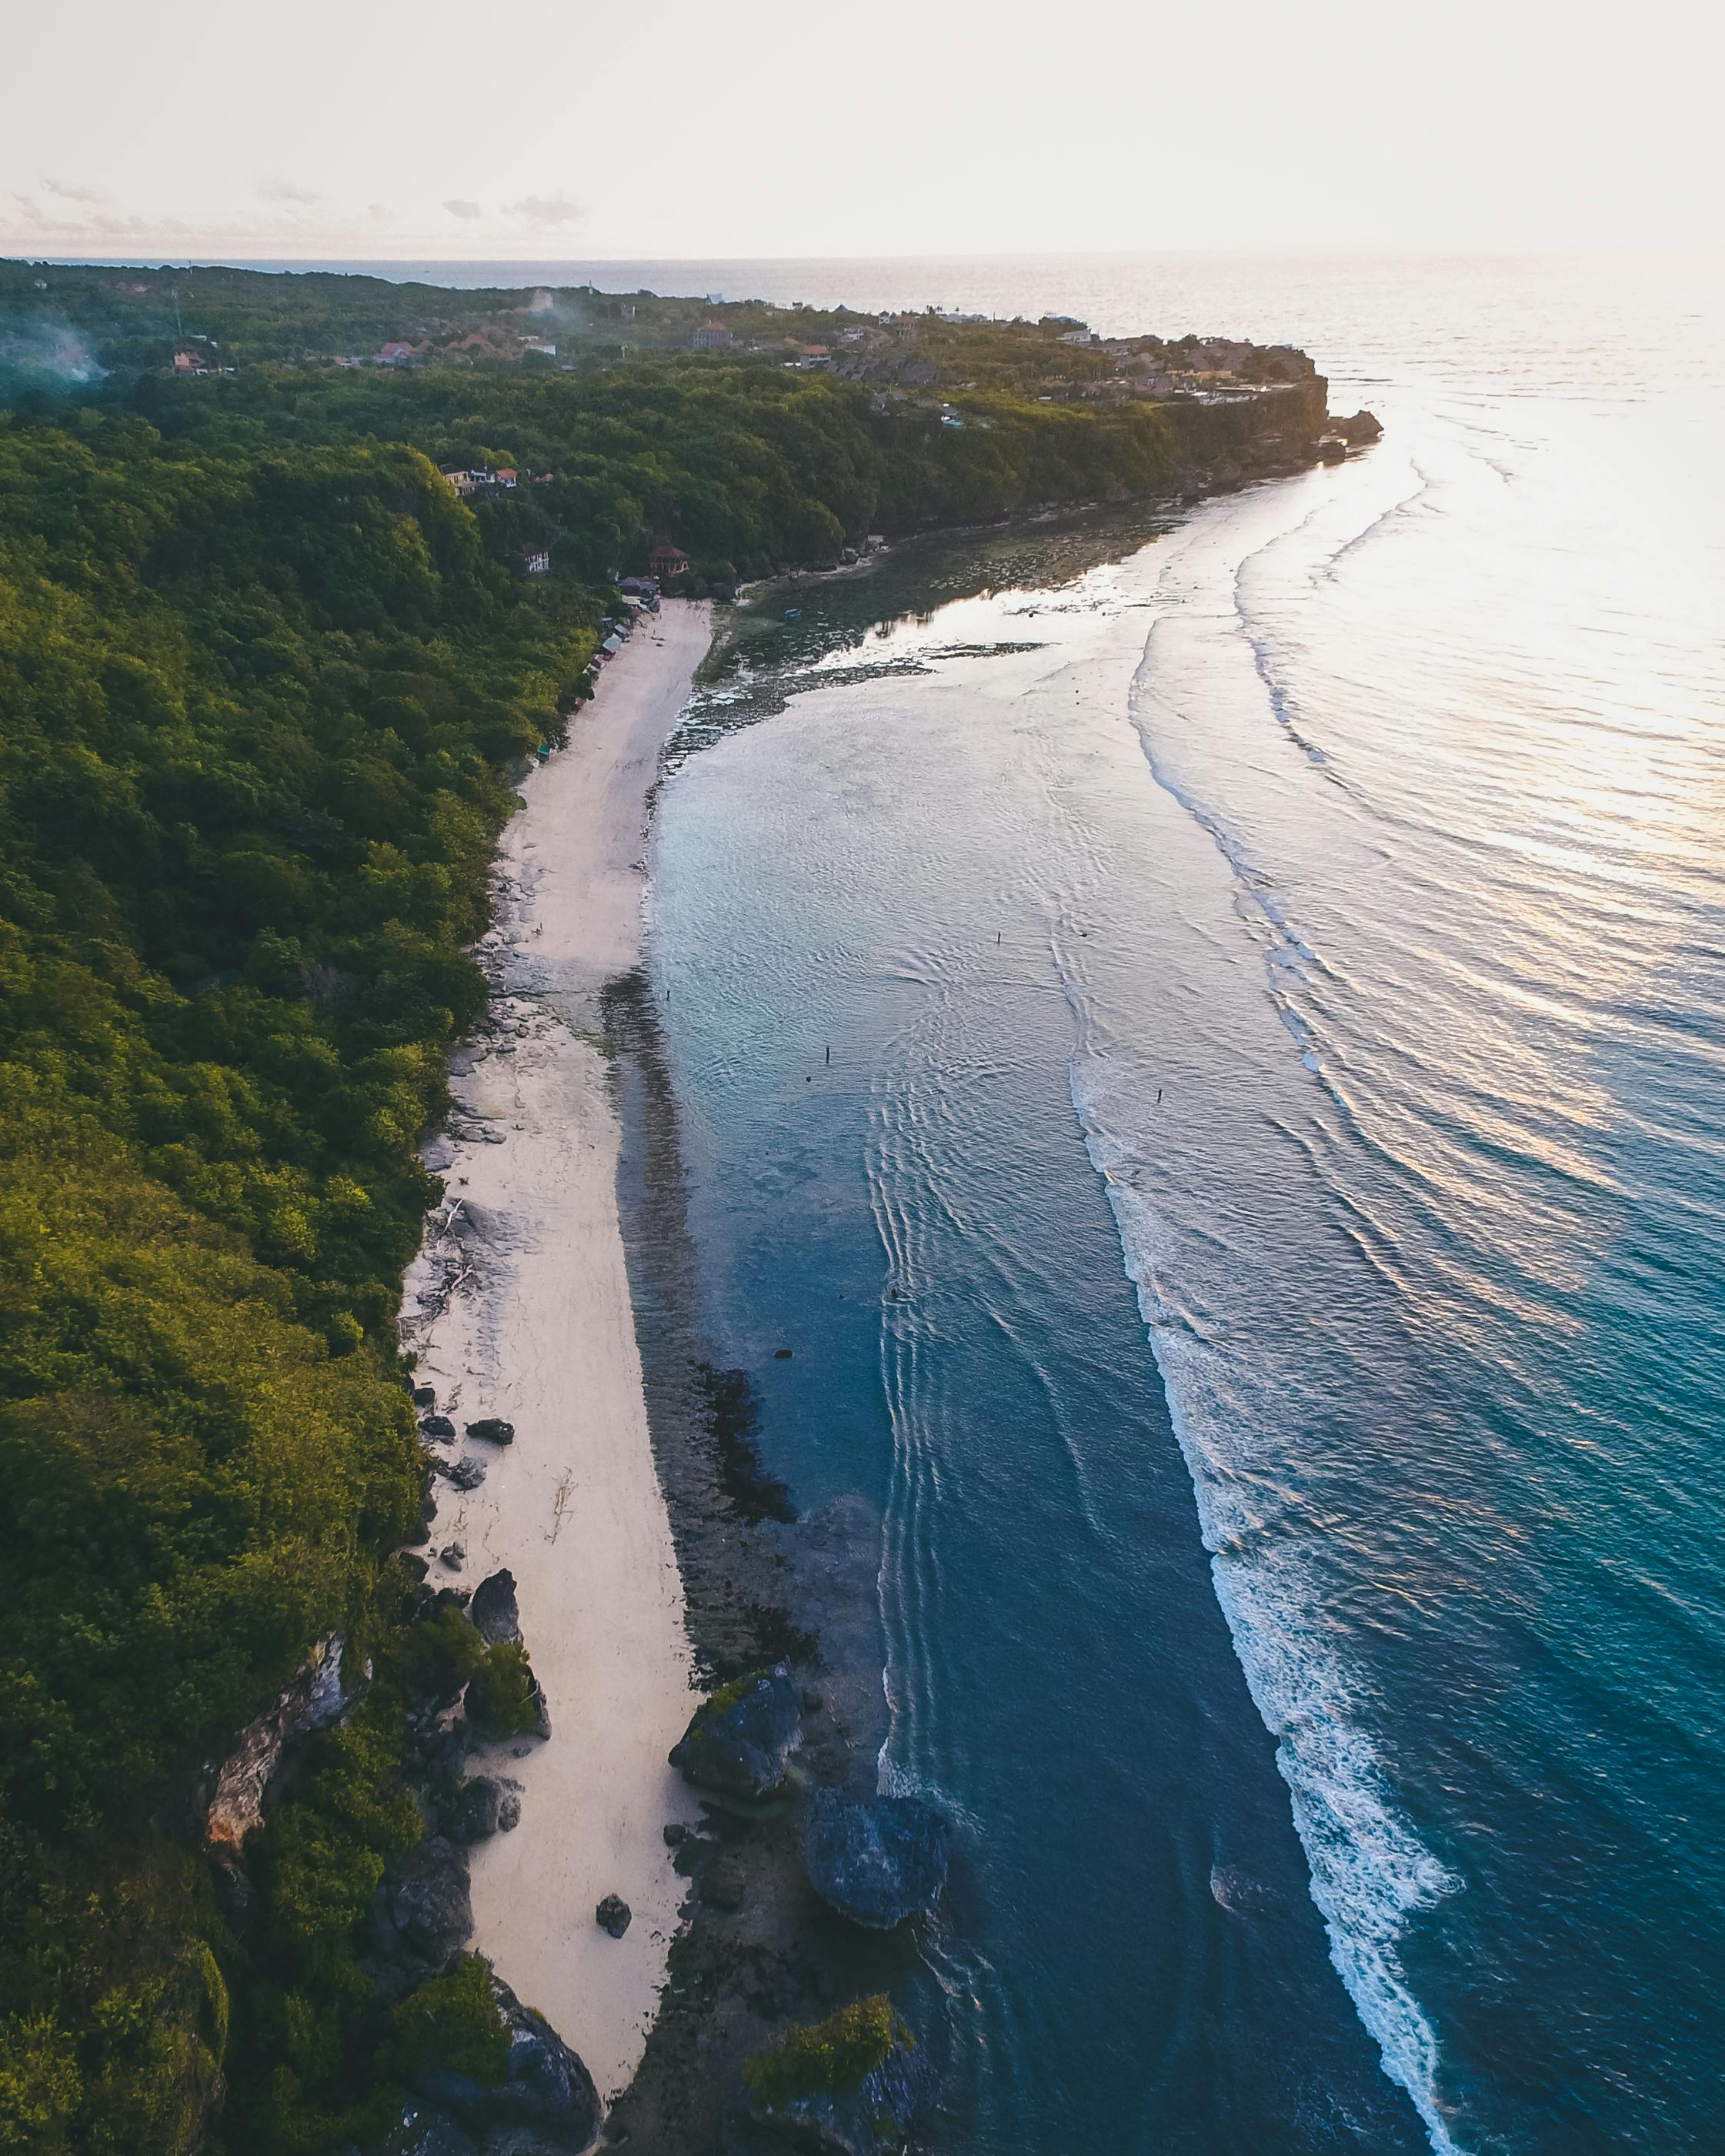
(518, 1306)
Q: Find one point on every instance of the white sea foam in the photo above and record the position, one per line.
(1369, 1871)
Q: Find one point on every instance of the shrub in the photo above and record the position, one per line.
(502, 1698)
(455, 2019)
(832, 2058)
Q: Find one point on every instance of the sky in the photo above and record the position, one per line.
(374, 130)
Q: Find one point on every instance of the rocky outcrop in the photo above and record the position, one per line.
(314, 1701)
(1363, 427)
(495, 1615)
(849, 2086)
(421, 1915)
(876, 1860)
(545, 2105)
(475, 1810)
(740, 1741)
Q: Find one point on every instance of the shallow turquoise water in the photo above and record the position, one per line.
(1258, 1237)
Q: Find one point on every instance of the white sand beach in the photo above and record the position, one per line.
(540, 1331)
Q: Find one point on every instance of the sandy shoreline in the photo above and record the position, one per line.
(540, 1330)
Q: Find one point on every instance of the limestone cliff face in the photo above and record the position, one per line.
(313, 1701)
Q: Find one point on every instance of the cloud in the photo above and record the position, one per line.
(544, 209)
(69, 193)
(463, 209)
(32, 209)
(285, 191)
(380, 213)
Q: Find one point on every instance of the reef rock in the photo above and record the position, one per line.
(496, 1618)
(877, 1860)
(546, 2104)
(1363, 427)
(740, 1741)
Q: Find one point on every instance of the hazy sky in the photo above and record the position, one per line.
(534, 128)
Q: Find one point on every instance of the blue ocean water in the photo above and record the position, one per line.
(1258, 1237)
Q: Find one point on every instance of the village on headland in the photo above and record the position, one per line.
(210, 321)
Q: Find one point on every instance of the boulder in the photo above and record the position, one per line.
(475, 1810)
(421, 1915)
(437, 1426)
(425, 1396)
(1362, 427)
(613, 1915)
(739, 1741)
(454, 1555)
(546, 2104)
(849, 2086)
(876, 1860)
(496, 1618)
(493, 1430)
(466, 1473)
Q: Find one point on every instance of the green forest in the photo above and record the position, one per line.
(266, 683)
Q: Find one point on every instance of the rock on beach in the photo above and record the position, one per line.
(739, 1742)
(494, 1615)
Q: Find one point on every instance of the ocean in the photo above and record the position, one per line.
(1257, 1240)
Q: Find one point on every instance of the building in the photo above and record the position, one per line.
(667, 561)
(505, 476)
(536, 562)
(198, 356)
(398, 354)
(711, 337)
(543, 345)
(459, 477)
